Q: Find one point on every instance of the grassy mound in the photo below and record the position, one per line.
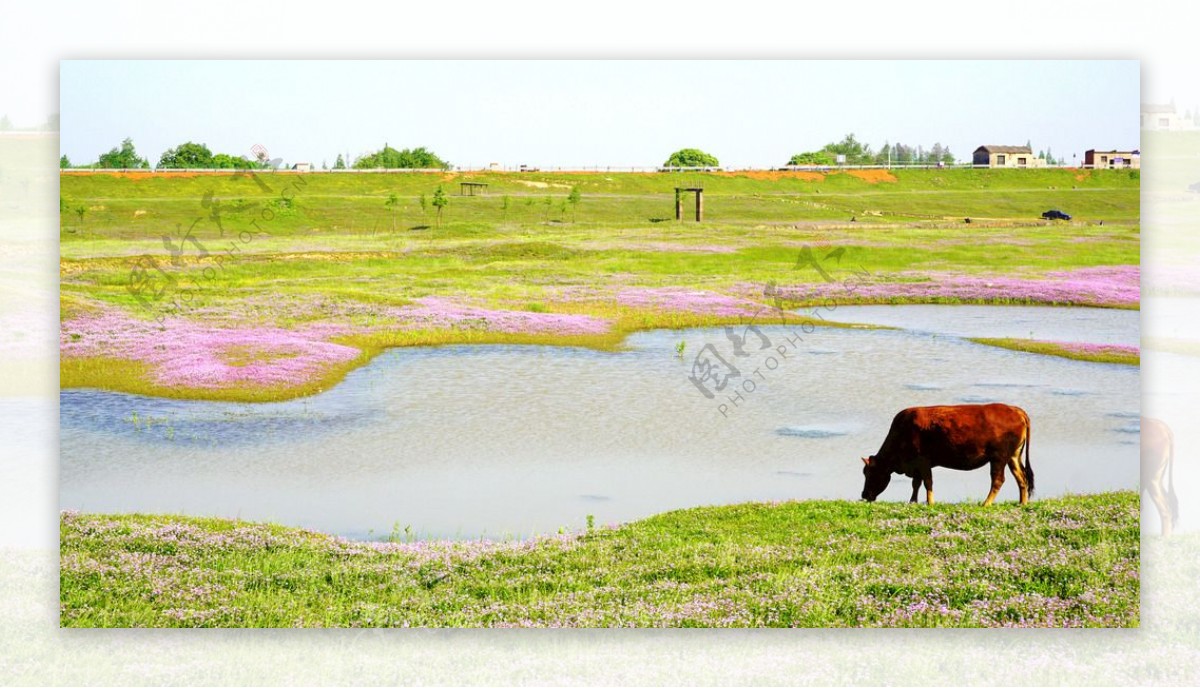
(1070, 561)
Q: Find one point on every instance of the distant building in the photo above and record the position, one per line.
(1160, 117)
(1006, 156)
(1112, 159)
(303, 167)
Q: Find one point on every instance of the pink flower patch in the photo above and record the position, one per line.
(436, 313)
(185, 353)
(689, 300)
(1104, 286)
(1098, 349)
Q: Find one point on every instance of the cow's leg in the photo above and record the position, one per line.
(1160, 504)
(928, 486)
(1014, 465)
(997, 483)
(916, 488)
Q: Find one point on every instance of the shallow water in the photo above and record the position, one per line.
(1089, 325)
(502, 441)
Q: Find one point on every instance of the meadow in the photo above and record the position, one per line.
(1063, 562)
(274, 286)
(244, 288)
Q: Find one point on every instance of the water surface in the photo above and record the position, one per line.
(496, 441)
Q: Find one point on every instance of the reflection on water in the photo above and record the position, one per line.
(511, 440)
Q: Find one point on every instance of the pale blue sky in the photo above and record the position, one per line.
(574, 113)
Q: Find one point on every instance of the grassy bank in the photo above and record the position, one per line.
(1069, 561)
(1095, 353)
(272, 280)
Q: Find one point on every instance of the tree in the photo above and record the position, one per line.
(324, 166)
(440, 201)
(81, 210)
(856, 152)
(574, 198)
(222, 161)
(424, 206)
(340, 163)
(811, 158)
(123, 158)
(392, 201)
(884, 156)
(64, 162)
(504, 203)
(391, 159)
(691, 157)
(186, 155)
(5, 123)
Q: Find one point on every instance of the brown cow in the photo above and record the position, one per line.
(960, 437)
(1158, 468)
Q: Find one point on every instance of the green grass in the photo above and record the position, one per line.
(1062, 561)
(124, 207)
(1119, 355)
(334, 243)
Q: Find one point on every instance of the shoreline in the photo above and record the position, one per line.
(131, 377)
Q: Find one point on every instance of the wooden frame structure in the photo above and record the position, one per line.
(469, 188)
(699, 191)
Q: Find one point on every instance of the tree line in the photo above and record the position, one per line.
(184, 156)
(849, 151)
(192, 155)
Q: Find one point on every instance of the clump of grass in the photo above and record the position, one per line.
(1095, 353)
(1068, 561)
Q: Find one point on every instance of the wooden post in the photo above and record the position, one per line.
(699, 204)
(678, 205)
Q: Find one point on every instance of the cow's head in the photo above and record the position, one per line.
(877, 478)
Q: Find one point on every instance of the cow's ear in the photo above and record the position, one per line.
(866, 461)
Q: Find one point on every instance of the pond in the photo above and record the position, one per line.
(508, 441)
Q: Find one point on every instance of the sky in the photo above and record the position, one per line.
(619, 113)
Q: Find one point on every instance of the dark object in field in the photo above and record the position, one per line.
(1158, 471)
(967, 220)
(960, 437)
(1055, 215)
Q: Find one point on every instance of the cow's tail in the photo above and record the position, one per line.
(1174, 501)
(1027, 468)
